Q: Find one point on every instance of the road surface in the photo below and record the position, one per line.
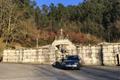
(47, 72)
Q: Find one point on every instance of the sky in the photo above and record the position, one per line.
(65, 2)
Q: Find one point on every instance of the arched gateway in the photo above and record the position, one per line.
(63, 46)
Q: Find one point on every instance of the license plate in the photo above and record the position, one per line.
(71, 65)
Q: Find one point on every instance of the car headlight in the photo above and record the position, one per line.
(76, 63)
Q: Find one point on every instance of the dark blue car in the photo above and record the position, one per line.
(70, 62)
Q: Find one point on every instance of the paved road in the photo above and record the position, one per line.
(47, 72)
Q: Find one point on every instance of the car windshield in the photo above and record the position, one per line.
(72, 58)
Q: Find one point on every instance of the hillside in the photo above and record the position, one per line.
(22, 22)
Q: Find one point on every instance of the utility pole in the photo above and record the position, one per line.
(37, 41)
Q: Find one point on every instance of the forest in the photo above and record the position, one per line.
(22, 22)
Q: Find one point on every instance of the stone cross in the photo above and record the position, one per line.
(61, 33)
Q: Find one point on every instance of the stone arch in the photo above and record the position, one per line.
(66, 44)
(62, 47)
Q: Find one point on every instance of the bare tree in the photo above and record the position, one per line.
(10, 18)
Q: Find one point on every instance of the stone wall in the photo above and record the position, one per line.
(42, 56)
(89, 55)
(110, 52)
(104, 54)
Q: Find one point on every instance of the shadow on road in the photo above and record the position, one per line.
(103, 73)
(113, 70)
